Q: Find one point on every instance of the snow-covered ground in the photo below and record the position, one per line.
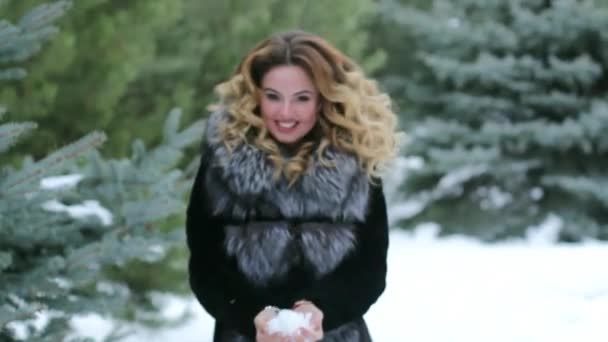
(451, 289)
(458, 289)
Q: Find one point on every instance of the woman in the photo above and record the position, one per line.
(287, 209)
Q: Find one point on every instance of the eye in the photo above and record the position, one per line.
(272, 97)
(303, 98)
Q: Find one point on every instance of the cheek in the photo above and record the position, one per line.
(309, 113)
(311, 118)
(265, 109)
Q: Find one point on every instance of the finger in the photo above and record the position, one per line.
(315, 324)
(307, 334)
(299, 338)
(280, 337)
(264, 336)
(261, 326)
(315, 332)
(317, 320)
(260, 337)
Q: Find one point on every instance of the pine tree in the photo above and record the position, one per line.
(127, 63)
(509, 117)
(56, 242)
(102, 47)
(399, 57)
(210, 37)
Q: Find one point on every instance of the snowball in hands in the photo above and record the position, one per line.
(287, 322)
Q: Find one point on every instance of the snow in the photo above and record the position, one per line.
(459, 176)
(406, 209)
(456, 289)
(402, 207)
(87, 208)
(57, 182)
(547, 232)
(288, 322)
(493, 197)
(459, 289)
(454, 22)
(536, 193)
(441, 289)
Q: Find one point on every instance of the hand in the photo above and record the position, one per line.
(261, 326)
(315, 332)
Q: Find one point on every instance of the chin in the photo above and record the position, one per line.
(287, 140)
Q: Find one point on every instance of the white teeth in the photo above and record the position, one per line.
(287, 124)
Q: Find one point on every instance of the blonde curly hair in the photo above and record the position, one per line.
(355, 116)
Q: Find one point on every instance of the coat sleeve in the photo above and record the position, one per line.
(348, 292)
(212, 277)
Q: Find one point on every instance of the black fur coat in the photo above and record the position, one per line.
(255, 241)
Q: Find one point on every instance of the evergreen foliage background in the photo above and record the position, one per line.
(504, 104)
(123, 65)
(507, 113)
(56, 250)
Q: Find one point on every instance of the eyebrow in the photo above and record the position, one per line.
(301, 92)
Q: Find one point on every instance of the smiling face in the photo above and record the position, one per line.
(289, 103)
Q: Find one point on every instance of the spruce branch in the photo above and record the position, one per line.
(26, 180)
(9, 133)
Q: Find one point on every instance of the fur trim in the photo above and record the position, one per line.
(261, 250)
(325, 245)
(244, 184)
(273, 226)
(266, 251)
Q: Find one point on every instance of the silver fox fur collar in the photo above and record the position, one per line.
(265, 251)
(272, 227)
(339, 193)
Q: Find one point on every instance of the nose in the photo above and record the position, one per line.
(285, 110)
